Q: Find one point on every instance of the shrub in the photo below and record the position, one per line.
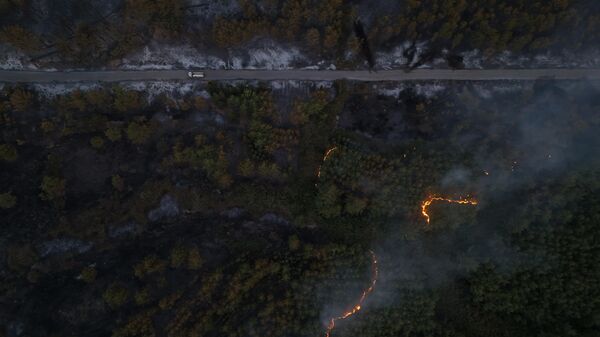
(118, 183)
(113, 133)
(246, 168)
(21, 100)
(53, 188)
(142, 297)
(168, 302)
(99, 99)
(116, 295)
(200, 103)
(195, 261)
(328, 201)
(127, 100)
(150, 265)
(20, 38)
(178, 256)
(224, 181)
(20, 257)
(355, 205)
(97, 142)
(294, 243)
(47, 126)
(8, 152)
(88, 274)
(139, 131)
(7, 200)
(313, 38)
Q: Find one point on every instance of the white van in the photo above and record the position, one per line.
(196, 74)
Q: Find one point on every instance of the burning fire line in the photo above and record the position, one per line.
(429, 200)
(327, 154)
(363, 297)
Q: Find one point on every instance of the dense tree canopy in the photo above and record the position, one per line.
(246, 213)
(341, 31)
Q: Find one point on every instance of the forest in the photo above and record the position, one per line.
(240, 210)
(298, 209)
(87, 33)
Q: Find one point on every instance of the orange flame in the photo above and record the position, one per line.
(430, 199)
(356, 308)
(327, 154)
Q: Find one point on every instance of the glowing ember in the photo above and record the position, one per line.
(363, 297)
(431, 199)
(327, 154)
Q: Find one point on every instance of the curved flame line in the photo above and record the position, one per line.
(431, 199)
(356, 308)
(327, 154)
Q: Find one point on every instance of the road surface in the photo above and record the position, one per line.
(18, 76)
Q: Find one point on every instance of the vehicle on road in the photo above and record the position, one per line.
(196, 74)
